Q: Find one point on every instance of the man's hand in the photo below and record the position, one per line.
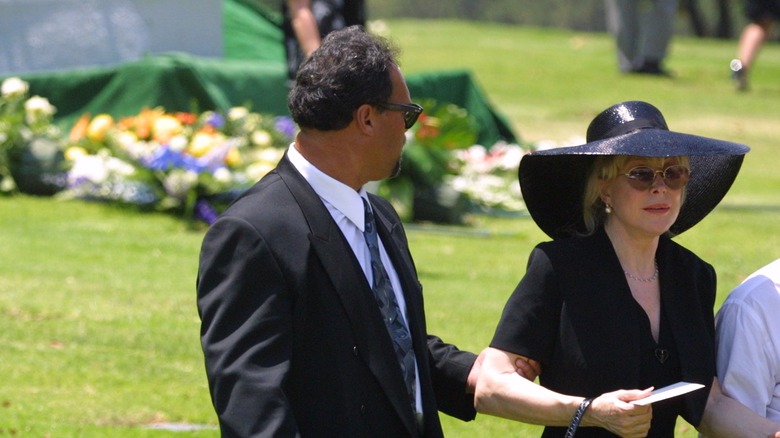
(528, 368)
(525, 367)
(471, 381)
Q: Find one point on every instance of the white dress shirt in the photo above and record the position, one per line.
(346, 207)
(748, 342)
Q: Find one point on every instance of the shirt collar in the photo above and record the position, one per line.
(339, 195)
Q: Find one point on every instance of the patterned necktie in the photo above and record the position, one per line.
(388, 305)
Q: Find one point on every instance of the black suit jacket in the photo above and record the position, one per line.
(294, 342)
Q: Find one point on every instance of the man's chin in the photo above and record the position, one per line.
(396, 170)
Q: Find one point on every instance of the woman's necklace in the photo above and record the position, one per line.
(644, 280)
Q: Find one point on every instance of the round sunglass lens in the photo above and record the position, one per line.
(643, 174)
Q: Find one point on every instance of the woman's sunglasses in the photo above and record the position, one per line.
(642, 178)
(411, 111)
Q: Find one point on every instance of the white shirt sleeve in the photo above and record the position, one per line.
(744, 364)
(748, 342)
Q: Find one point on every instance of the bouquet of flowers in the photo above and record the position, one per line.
(30, 146)
(182, 162)
(444, 174)
(195, 164)
(489, 176)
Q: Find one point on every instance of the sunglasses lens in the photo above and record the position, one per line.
(644, 175)
(410, 118)
(676, 177)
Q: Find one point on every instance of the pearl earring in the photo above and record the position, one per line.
(608, 209)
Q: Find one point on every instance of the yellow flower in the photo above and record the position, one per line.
(202, 142)
(73, 152)
(233, 157)
(99, 126)
(165, 127)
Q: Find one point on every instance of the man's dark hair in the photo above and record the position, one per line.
(349, 69)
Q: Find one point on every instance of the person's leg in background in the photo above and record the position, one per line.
(623, 22)
(761, 15)
(657, 32)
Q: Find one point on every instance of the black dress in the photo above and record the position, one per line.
(574, 313)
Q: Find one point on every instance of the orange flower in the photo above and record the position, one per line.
(186, 118)
(79, 129)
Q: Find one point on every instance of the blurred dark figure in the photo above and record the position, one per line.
(306, 22)
(642, 30)
(762, 15)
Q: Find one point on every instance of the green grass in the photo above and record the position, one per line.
(98, 324)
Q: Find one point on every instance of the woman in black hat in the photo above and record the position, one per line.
(612, 307)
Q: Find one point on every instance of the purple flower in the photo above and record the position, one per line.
(285, 125)
(205, 212)
(216, 120)
(164, 158)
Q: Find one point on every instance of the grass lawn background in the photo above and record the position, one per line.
(98, 324)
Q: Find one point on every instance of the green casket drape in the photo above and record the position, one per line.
(251, 73)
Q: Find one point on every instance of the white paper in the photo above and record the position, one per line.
(670, 391)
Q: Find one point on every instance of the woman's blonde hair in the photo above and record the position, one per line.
(606, 168)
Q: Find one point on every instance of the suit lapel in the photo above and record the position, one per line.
(353, 290)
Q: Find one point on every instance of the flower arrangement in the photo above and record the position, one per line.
(181, 162)
(195, 164)
(489, 177)
(29, 142)
(444, 174)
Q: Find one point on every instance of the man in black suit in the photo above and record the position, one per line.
(294, 340)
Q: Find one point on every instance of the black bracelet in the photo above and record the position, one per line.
(575, 420)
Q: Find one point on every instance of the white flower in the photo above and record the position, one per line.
(128, 142)
(261, 138)
(179, 182)
(38, 108)
(178, 143)
(14, 87)
(97, 169)
(237, 113)
(223, 175)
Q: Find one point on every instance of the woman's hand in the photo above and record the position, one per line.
(615, 412)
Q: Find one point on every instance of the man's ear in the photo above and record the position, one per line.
(365, 117)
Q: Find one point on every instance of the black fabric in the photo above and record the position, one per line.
(293, 340)
(574, 313)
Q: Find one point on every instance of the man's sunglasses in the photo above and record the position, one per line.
(675, 177)
(411, 111)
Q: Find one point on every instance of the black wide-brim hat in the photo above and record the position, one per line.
(553, 181)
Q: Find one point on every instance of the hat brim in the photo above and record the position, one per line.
(552, 181)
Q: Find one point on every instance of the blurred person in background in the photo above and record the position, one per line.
(762, 15)
(643, 30)
(306, 22)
